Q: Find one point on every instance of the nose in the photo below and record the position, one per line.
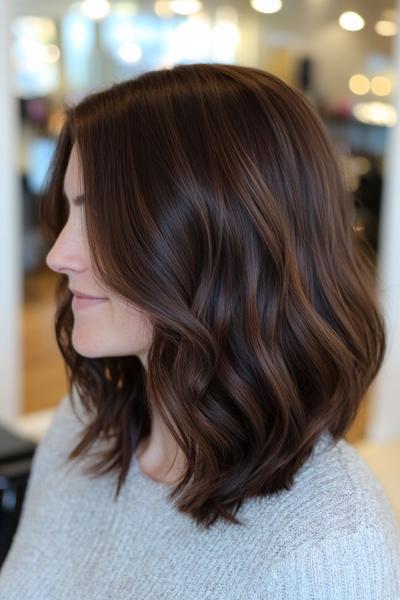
(67, 253)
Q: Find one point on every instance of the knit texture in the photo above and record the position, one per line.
(332, 536)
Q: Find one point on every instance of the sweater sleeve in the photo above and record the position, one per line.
(49, 459)
(362, 565)
(51, 452)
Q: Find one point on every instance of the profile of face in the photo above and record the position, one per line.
(106, 327)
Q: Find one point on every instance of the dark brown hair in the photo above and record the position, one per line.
(215, 203)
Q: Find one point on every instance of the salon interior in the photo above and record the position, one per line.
(344, 55)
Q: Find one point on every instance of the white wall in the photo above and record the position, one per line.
(10, 239)
(384, 421)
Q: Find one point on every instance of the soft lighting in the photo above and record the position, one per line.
(124, 9)
(125, 31)
(28, 53)
(78, 34)
(189, 40)
(381, 86)
(351, 21)
(162, 9)
(95, 9)
(52, 53)
(42, 28)
(266, 6)
(386, 28)
(359, 84)
(130, 52)
(185, 7)
(375, 113)
(226, 37)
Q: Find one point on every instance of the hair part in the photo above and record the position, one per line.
(215, 203)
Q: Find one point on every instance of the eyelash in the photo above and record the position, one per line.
(77, 202)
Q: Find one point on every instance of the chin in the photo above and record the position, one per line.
(87, 344)
(86, 347)
(88, 353)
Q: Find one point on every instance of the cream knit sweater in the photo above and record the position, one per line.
(332, 536)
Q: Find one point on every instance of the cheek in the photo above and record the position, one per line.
(130, 323)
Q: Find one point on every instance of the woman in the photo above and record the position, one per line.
(234, 335)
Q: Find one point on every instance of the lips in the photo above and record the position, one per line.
(79, 294)
(82, 302)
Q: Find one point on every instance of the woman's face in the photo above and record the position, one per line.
(109, 327)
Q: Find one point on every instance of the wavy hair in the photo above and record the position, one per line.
(215, 202)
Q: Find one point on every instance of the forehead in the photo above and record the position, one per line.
(73, 184)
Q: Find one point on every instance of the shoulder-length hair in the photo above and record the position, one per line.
(215, 203)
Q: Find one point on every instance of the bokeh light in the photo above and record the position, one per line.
(359, 84)
(351, 21)
(381, 85)
(266, 6)
(386, 28)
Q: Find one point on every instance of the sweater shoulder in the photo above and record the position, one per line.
(334, 495)
(363, 564)
(62, 435)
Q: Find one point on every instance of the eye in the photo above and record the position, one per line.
(68, 207)
(78, 200)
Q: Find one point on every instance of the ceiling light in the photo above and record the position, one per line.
(386, 28)
(266, 6)
(130, 52)
(52, 53)
(351, 21)
(162, 9)
(380, 85)
(375, 113)
(185, 7)
(95, 9)
(359, 84)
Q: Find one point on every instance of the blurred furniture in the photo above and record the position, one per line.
(16, 453)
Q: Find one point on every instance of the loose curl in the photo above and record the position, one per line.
(215, 203)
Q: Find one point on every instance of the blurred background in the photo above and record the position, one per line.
(343, 54)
